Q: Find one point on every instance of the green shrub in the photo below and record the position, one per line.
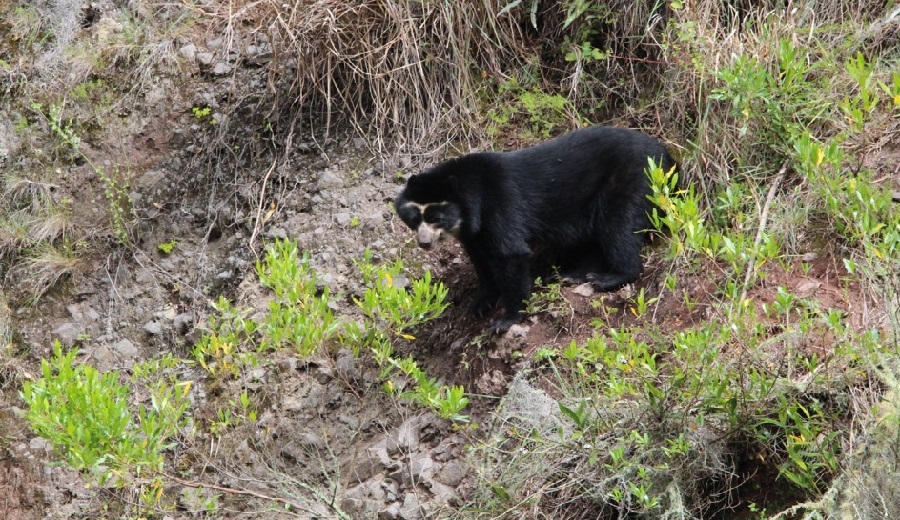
(91, 422)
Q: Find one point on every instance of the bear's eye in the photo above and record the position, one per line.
(442, 214)
(411, 215)
(434, 214)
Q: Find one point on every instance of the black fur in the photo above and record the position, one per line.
(581, 196)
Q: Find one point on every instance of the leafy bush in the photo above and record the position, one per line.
(300, 318)
(91, 422)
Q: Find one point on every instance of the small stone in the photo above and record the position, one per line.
(39, 444)
(585, 289)
(359, 507)
(259, 375)
(421, 468)
(277, 232)
(221, 69)
(204, 58)
(91, 315)
(391, 490)
(392, 512)
(329, 179)
(184, 322)
(451, 474)
(809, 257)
(406, 437)
(74, 312)
(153, 328)
(807, 289)
(410, 510)
(125, 347)
(311, 440)
(66, 333)
(517, 331)
(346, 365)
(343, 219)
(442, 493)
(188, 52)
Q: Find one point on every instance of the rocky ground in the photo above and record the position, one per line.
(327, 442)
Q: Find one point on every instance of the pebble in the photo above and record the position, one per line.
(451, 474)
(125, 347)
(153, 328)
(66, 333)
(410, 510)
(222, 69)
(188, 52)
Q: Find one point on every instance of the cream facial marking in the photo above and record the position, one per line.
(432, 222)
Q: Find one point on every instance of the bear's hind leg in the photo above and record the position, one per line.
(620, 263)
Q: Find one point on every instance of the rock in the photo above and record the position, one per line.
(517, 331)
(406, 437)
(391, 490)
(807, 289)
(277, 232)
(39, 444)
(371, 462)
(66, 333)
(188, 52)
(359, 143)
(410, 510)
(312, 441)
(184, 322)
(391, 513)
(421, 468)
(74, 312)
(346, 365)
(442, 493)
(329, 179)
(373, 219)
(204, 58)
(125, 348)
(451, 474)
(356, 504)
(221, 69)
(153, 328)
(585, 289)
(259, 375)
(343, 218)
(91, 315)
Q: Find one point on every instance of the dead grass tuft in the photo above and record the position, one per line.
(43, 269)
(23, 193)
(403, 73)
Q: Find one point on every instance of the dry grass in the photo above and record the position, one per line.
(23, 193)
(54, 226)
(406, 74)
(43, 269)
(14, 234)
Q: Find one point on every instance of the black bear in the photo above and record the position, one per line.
(582, 197)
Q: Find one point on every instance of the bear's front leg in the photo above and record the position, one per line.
(515, 289)
(487, 294)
